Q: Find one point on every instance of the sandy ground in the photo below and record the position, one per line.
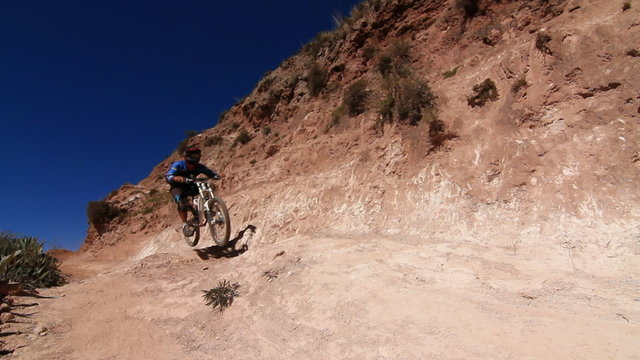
(339, 298)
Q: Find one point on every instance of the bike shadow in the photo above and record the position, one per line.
(229, 251)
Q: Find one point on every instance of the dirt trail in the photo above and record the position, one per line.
(348, 298)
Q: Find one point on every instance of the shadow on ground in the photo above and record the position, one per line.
(229, 251)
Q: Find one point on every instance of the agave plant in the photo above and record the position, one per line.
(24, 261)
(221, 296)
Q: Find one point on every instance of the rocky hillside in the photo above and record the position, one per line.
(431, 180)
(507, 121)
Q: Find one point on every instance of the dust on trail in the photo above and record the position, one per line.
(342, 297)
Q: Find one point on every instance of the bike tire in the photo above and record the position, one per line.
(195, 237)
(218, 221)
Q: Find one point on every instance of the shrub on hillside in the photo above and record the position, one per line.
(634, 53)
(483, 92)
(101, 212)
(385, 111)
(449, 73)
(24, 262)
(243, 137)
(317, 79)
(221, 296)
(626, 5)
(355, 97)
(471, 8)
(519, 84)
(213, 140)
(187, 136)
(542, 43)
(412, 96)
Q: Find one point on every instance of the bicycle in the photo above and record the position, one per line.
(207, 209)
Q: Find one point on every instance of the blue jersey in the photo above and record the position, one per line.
(180, 168)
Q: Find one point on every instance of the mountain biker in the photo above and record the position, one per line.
(183, 190)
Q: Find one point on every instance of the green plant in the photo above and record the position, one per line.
(23, 261)
(101, 212)
(626, 5)
(519, 84)
(395, 59)
(483, 92)
(243, 137)
(449, 73)
(542, 43)
(213, 140)
(221, 297)
(317, 78)
(253, 161)
(355, 97)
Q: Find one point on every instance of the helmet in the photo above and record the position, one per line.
(192, 154)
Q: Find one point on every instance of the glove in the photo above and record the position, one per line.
(216, 177)
(178, 178)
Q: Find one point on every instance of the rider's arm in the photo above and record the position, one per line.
(210, 173)
(173, 170)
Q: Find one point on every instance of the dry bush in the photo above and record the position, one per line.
(101, 212)
(626, 5)
(412, 95)
(221, 297)
(542, 43)
(519, 84)
(213, 140)
(243, 137)
(471, 8)
(483, 92)
(355, 97)
(316, 79)
(449, 73)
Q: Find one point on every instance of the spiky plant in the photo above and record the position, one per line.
(221, 296)
(30, 266)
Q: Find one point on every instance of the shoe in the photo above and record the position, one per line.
(187, 230)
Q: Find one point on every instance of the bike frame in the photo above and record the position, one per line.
(200, 202)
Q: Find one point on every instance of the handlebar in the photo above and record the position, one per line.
(193, 180)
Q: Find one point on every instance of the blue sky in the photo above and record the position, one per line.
(94, 93)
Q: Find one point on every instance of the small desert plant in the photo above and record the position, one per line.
(271, 275)
(470, 7)
(235, 125)
(24, 262)
(412, 96)
(626, 5)
(449, 73)
(222, 116)
(253, 161)
(213, 140)
(395, 59)
(221, 296)
(355, 97)
(634, 53)
(483, 92)
(386, 108)
(101, 212)
(336, 116)
(243, 137)
(519, 84)
(266, 131)
(542, 43)
(317, 79)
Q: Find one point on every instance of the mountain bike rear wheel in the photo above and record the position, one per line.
(218, 221)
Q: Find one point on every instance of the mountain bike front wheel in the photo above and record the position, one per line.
(218, 221)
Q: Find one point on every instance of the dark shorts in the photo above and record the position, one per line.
(181, 193)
